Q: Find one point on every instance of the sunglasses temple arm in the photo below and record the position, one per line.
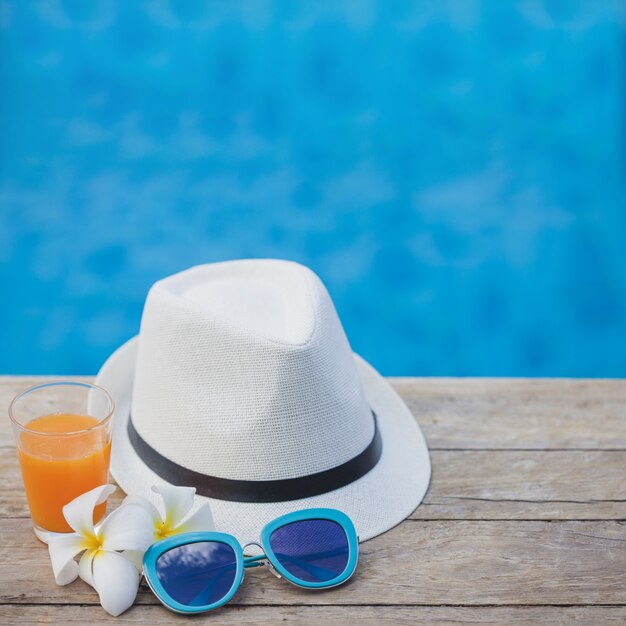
(314, 570)
(201, 597)
(251, 561)
(254, 561)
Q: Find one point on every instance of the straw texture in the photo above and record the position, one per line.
(242, 370)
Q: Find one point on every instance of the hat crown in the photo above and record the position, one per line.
(244, 372)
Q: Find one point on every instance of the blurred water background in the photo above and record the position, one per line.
(453, 170)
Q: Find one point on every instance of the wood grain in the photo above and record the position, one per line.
(524, 414)
(485, 413)
(471, 484)
(534, 484)
(418, 562)
(524, 522)
(316, 615)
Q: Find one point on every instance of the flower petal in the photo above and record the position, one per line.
(157, 519)
(178, 502)
(202, 519)
(85, 570)
(63, 548)
(116, 581)
(79, 512)
(135, 557)
(129, 527)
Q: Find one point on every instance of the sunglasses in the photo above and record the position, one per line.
(200, 571)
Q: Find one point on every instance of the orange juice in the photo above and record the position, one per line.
(58, 469)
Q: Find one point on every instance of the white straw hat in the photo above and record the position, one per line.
(242, 384)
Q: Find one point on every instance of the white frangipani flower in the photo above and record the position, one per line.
(114, 577)
(174, 518)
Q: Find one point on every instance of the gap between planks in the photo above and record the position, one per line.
(443, 563)
(334, 606)
(486, 414)
(541, 485)
(334, 615)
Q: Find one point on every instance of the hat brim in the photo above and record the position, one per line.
(376, 502)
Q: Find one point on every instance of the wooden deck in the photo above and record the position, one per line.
(525, 522)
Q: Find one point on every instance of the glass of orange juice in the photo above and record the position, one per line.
(63, 437)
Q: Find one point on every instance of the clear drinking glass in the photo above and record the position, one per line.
(63, 437)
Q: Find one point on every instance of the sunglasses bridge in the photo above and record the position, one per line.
(258, 560)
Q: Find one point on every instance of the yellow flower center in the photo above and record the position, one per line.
(93, 543)
(163, 531)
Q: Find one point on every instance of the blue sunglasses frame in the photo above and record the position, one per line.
(242, 562)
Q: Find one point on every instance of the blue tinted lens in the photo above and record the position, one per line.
(197, 574)
(313, 550)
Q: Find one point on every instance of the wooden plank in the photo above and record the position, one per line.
(535, 484)
(418, 562)
(539, 414)
(315, 615)
(472, 485)
(486, 413)
(501, 449)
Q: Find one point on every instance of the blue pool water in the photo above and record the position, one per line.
(453, 170)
